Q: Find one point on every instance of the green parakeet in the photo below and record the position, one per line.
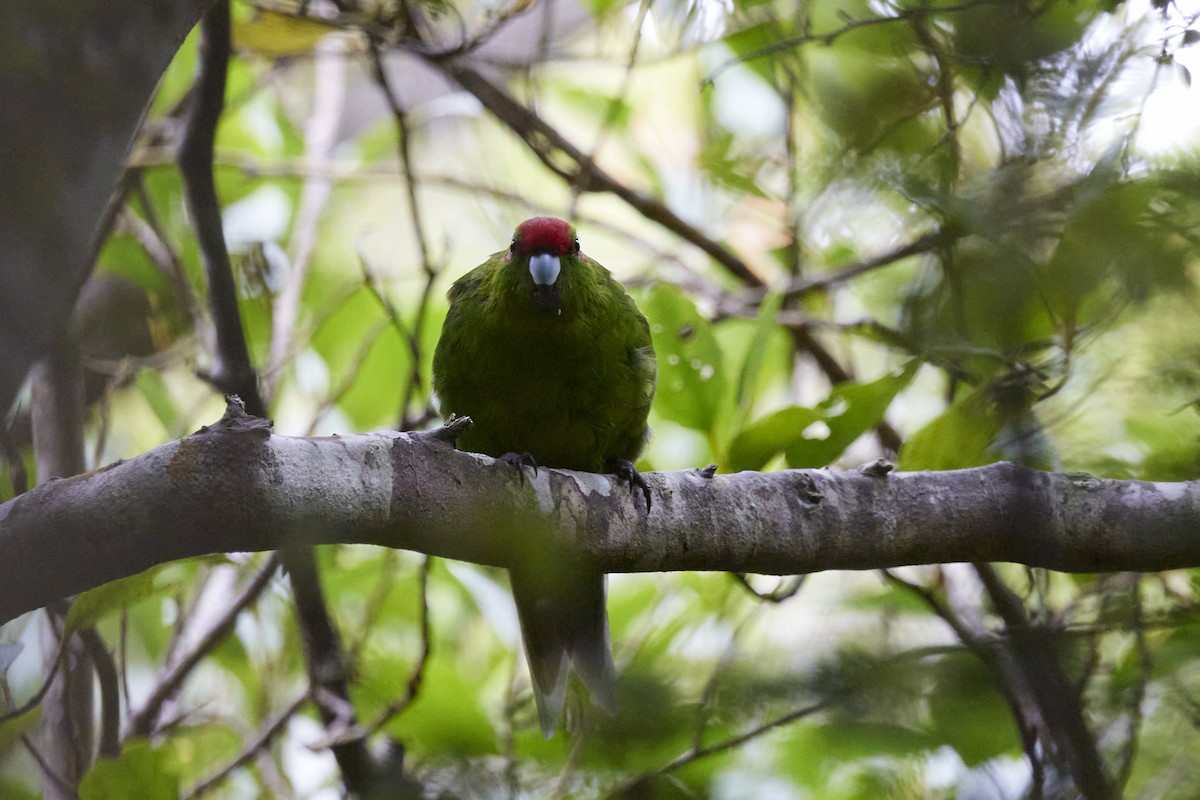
(553, 362)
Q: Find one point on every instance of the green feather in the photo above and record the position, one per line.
(568, 378)
(572, 389)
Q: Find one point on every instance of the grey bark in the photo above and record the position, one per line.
(68, 743)
(231, 489)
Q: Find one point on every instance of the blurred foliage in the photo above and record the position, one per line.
(973, 241)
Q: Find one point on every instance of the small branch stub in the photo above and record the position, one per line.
(236, 420)
(879, 468)
(449, 432)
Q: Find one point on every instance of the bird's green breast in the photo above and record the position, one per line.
(571, 389)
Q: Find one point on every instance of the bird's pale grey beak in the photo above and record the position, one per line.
(544, 268)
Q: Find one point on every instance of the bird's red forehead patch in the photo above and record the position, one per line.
(544, 234)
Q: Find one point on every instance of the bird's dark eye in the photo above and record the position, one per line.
(575, 247)
(512, 248)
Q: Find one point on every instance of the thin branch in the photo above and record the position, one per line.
(110, 692)
(353, 372)
(985, 650)
(232, 373)
(36, 699)
(551, 147)
(248, 752)
(784, 591)
(415, 678)
(123, 658)
(48, 771)
(694, 754)
(1059, 703)
(320, 135)
(413, 385)
(799, 288)
(944, 87)
(1137, 692)
(710, 687)
(148, 230)
(829, 37)
(614, 105)
(144, 720)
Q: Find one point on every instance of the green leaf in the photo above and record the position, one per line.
(368, 361)
(727, 169)
(968, 713)
(448, 715)
(849, 411)
(142, 771)
(761, 441)
(614, 112)
(961, 437)
(748, 42)
(11, 730)
(847, 740)
(154, 389)
(95, 604)
(764, 326)
(691, 375)
(273, 35)
(195, 748)
(12, 790)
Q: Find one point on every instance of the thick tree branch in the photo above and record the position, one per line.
(221, 490)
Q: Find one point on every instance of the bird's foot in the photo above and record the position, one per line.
(519, 460)
(624, 470)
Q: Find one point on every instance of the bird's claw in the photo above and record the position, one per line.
(625, 471)
(518, 460)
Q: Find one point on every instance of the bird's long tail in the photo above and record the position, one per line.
(564, 622)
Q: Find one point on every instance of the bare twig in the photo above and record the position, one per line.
(143, 721)
(551, 148)
(614, 106)
(148, 230)
(232, 374)
(799, 288)
(48, 771)
(404, 146)
(248, 752)
(110, 693)
(694, 754)
(33, 701)
(829, 37)
(320, 135)
(986, 651)
(1056, 698)
(784, 591)
(415, 678)
(353, 371)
